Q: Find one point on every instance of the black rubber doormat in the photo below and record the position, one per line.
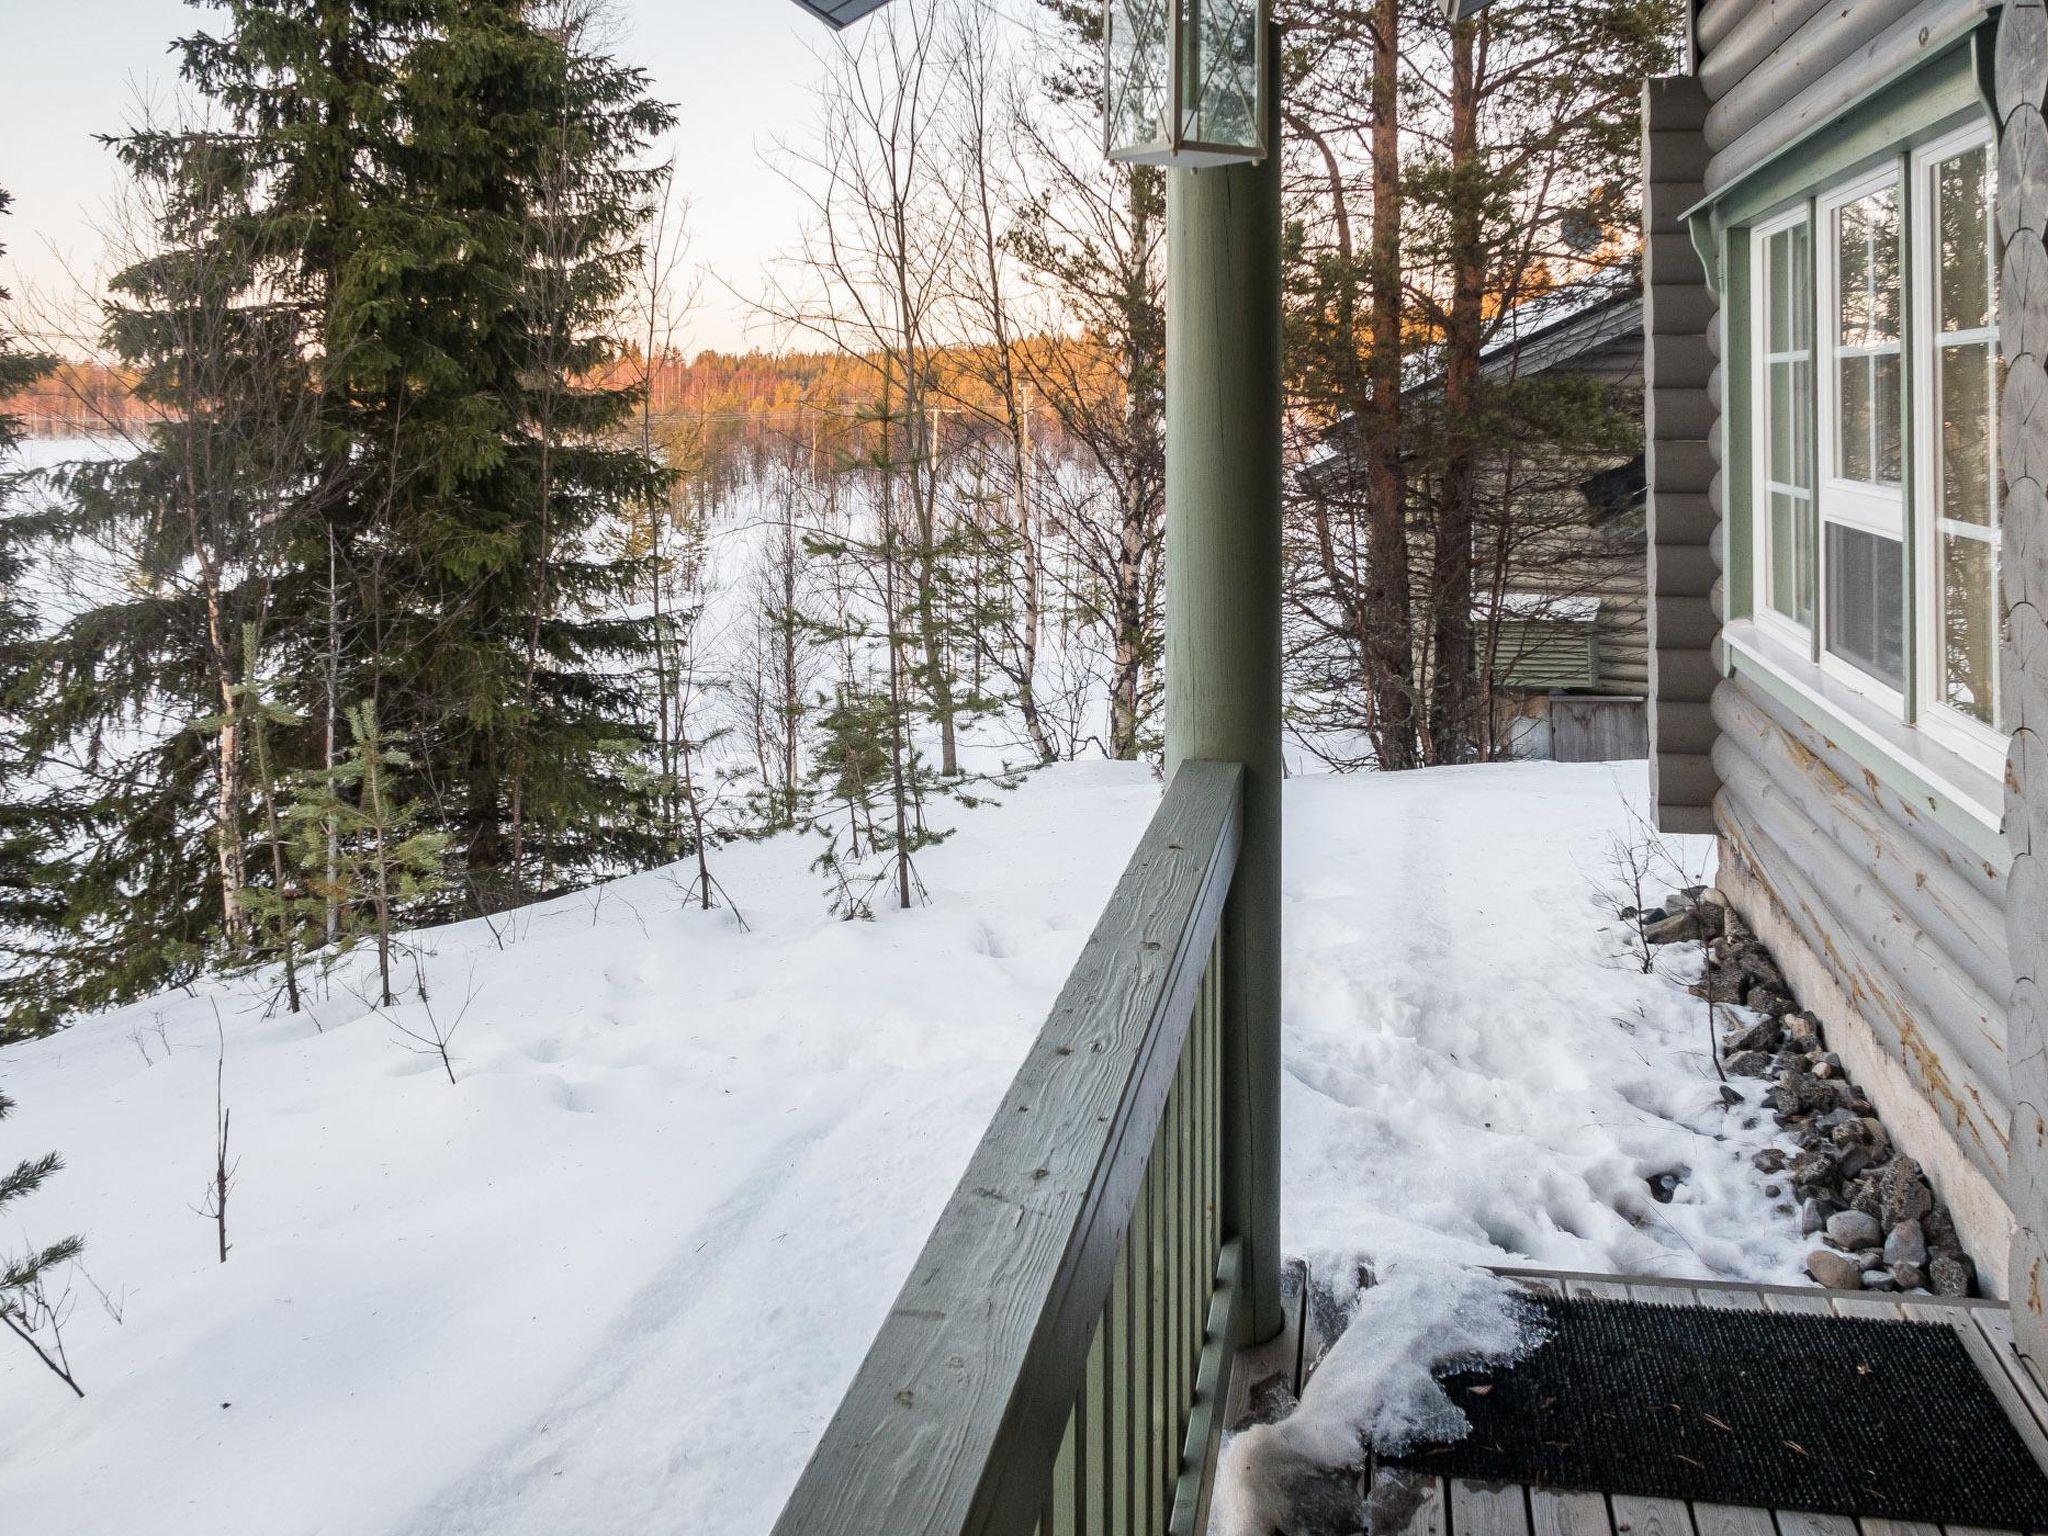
(1837, 1415)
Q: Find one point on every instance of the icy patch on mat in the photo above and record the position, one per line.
(1377, 1388)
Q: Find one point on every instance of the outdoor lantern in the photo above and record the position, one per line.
(841, 13)
(1186, 80)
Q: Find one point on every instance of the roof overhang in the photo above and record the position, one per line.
(841, 13)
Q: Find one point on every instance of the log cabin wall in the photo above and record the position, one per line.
(1680, 385)
(1897, 930)
(2020, 83)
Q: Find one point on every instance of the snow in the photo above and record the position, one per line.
(1376, 1382)
(615, 1278)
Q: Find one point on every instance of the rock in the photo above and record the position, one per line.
(1719, 985)
(1664, 1185)
(1911, 1277)
(1834, 1120)
(1755, 962)
(1905, 1244)
(1906, 1193)
(1800, 1092)
(1836, 1271)
(1880, 1139)
(1854, 1161)
(1680, 901)
(1768, 1001)
(1853, 1229)
(1950, 1275)
(1813, 1172)
(1813, 1215)
(1879, 1280)
(1868, 1258)
(1729, 1094)
(1749, 1064)
(1675, 928)
(1770, 1160)
(1761, 1036)
(1803, 1028)
(1940, 1228)
(1865, 1196)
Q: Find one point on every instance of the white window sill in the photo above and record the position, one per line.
(1937, 770)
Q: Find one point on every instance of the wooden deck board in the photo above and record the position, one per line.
(1569, 1512)
(1638, 1516)
(1731, 1520)
(1488, 1509)
(1800, 1522)
(1404, 1503)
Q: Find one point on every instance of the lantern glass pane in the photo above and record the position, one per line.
(1139, 54)
(1220, 65)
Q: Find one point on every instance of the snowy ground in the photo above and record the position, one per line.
(615, 1278)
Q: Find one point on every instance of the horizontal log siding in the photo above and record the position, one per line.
(1678, 317)
(1775, 72)
(1938, 936)
(2022, 83)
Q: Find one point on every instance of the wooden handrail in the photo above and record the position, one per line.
(956, 1418)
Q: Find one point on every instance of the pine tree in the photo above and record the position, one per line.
(26, 1309)
(31, 872)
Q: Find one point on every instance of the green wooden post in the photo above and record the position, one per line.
(1223, 627)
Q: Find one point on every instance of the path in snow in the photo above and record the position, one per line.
(1476, 1068)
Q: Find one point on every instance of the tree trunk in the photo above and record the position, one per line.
(1388, 637)
(1450, 699)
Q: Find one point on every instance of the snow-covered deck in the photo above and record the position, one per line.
(1454, 1506)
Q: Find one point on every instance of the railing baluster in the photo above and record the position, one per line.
(1125, 1420)
(1065, 1469)
(1094, 1477)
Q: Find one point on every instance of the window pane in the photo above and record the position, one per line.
(1965, 447)
(1962, 224)
(1778, 279)
(1887, 421)
(1801, 287)
(1852, 277)
(1852, 419)
(1784, 422)
(1137, 71)
(1222, 68)
(1800, 403)
(1791, 546)
(1969, 629)
(1866, 602)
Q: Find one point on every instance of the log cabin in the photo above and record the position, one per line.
(1846, 311)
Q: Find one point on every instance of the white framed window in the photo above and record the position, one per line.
(1956, 479)
(1781, 268)
(1861, 496)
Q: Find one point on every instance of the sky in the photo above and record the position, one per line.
(737, 71)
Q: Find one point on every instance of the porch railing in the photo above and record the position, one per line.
(1058, 1360)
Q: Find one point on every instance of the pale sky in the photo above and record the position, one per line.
(737, 71)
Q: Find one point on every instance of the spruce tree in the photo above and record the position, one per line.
(31, 872)
(477, 306)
